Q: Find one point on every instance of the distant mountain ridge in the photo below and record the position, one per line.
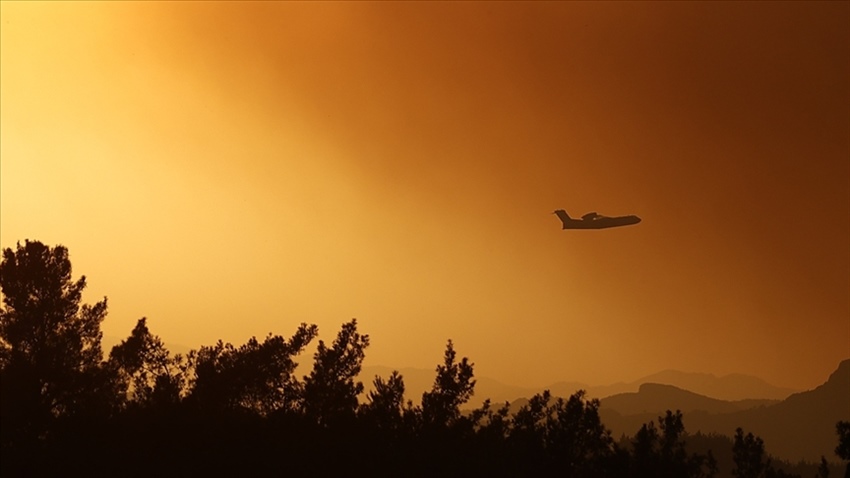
(801, 427)
(730, 387)
(656, 398)
(734, 387)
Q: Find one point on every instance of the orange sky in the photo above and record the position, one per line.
(234, 169)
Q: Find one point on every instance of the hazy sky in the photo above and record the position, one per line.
(234, 169)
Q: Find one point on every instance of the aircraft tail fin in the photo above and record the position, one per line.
(563, 216)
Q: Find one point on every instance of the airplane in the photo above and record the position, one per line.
(592, 220)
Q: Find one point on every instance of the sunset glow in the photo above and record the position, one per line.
(233, 169)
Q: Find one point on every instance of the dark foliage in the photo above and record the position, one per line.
(240, 410)
(255, 377)
(662, 451)
(842, 428)
(146, 371)
(50, 348)
(330, 391)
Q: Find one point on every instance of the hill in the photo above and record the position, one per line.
(735, 387)
(731, 387)
(801, 427)
(655, 398)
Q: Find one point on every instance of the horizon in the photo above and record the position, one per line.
(233, 170)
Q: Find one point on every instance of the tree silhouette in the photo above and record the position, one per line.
(257, 377)
(842, 428)
(662, 451)
(823, 468)
(564, 437)
(576, 438)
(385, 406)
(495, 426)
(50, 345)
(330, 392)
(645, 450)
(453, 386)
(673, 452)
(527, 431)
(148, 372)
(749, 456)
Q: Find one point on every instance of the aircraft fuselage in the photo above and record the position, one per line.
(595, 221)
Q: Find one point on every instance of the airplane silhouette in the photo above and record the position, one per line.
(592, 220)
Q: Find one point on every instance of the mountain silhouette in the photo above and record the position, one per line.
(656, 398)
(728, 387)
(801, 427)
(734, 387)
(624, 413)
